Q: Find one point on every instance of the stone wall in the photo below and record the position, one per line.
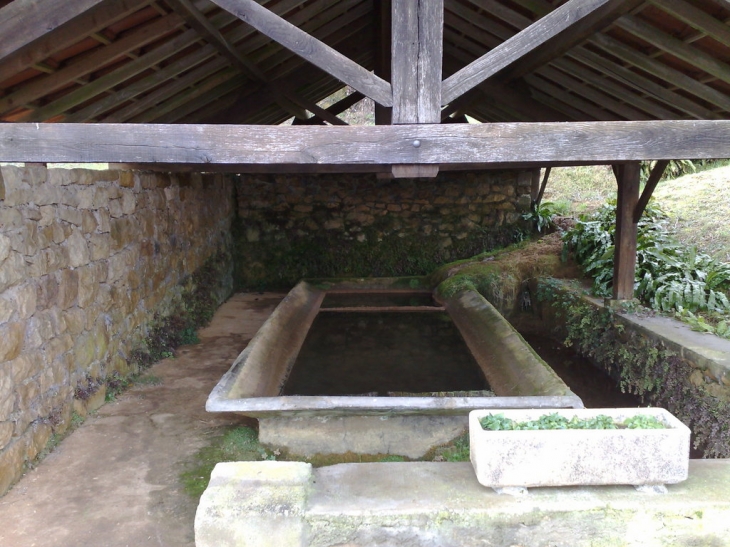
(89, 260)
(294, 226)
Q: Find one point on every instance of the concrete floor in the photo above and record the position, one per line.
(114, 481)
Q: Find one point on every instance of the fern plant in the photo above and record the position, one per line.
(669, 277)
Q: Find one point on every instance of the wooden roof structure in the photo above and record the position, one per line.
(197, 61)
(205, 84)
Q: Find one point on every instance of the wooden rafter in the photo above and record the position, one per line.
(254, 100)
(495, 32)
(212, 35)
(702, 21)
(522, 43)
(311, 49)
(179, 84)
(47, 84)
(23, 21)
(533, 144)
(669, 44)
(90, 21)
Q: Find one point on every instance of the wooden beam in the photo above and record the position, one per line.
(417, 53)
(212, 35)
(701, 20)
(40, 87)
(338, 108)
(598, 20)
(643, 85)
(311, 49)
(660, 70)
(518, 46)
(669, 44)
(253, 101)
(382, 48)
(624, 260)
(654, 177)
(617, 49)
(107, 81)
(168, 74)
(545, 179)
(93, 20)
(531, 144)
(23, 21)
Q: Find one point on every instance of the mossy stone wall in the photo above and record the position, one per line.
(295, 226)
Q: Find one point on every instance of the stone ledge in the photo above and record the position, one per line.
(430, 504)
(703, 351)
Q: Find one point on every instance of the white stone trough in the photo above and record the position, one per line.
(513, 459)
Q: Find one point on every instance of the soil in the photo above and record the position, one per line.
(115, 480)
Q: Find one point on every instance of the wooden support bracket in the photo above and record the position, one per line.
(654, 178)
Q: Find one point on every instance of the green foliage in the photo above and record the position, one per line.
(644, 422)
(236, 445)
(541, 216)
(498, 422)
(669, 276)
(642, 366)
(455, 451)
(675, 169)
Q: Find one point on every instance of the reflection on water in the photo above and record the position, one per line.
(364, 353)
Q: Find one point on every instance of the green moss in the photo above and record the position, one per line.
(642, 365)
(283, 258)
(239, 444)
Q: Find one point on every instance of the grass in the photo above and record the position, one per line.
(579, 190)
(240, 444)
(698, 203)
(699, 206)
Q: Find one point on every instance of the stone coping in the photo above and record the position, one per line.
(282, 504)
(703, 351)
(252, 386)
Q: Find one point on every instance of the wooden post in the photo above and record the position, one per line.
(624, 266)
(383, 24)
(535, 186)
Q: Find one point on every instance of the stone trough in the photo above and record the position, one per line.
(403, 425)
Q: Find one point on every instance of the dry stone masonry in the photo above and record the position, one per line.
(88, 260)
(294, 226)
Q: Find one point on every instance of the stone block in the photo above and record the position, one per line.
(26, 299)
(7, 309)
(10, 218)
(25, 366)
(126, 179)
(12, 270)
(100, 246)
(46, 194)
(115, 208)
(7, 406)
(11, 340)
(103, 220)
(27, 393)
(12, 460)
(70, 215)
(88, 222)
(129, 202)
(257, 504)
(5, 247)
(75, 319)
(68, 288)
(84, 198)
(6, 433)
(78, 249)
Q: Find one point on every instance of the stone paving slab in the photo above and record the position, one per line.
(441, 504)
